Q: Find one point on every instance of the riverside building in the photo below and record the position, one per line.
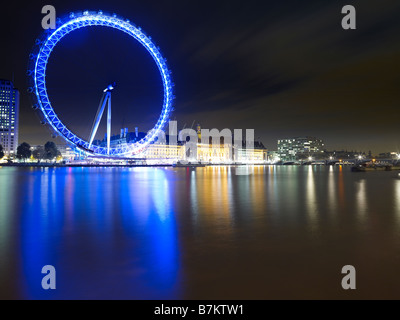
(9, 110)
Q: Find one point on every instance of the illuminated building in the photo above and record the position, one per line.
(209, 153)
(67, 152)
(272, 156)
(299, 147)
(163, 153)
(9, 109)
(258, 154)
(221, 153)
(169, 152)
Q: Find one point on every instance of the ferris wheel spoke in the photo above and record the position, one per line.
(109, 123)
(97, 119)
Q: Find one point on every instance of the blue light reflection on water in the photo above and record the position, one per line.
(93, 258)
(202, 233)
(39, 222)
(155, 204)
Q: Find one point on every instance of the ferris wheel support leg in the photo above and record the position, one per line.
(97, 119)
(109, 123)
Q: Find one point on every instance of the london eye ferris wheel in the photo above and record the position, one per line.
(38, 60)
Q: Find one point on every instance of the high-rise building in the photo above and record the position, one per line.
(9, 109)
(291, 149)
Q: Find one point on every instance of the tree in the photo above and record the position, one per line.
(24, 151)
(51, 150)
(38, 153)
(1, 152)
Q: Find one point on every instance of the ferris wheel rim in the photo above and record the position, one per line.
(37, 76)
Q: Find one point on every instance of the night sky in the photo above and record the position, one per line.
(284, 68)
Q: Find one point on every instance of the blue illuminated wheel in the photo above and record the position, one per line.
(37, 79)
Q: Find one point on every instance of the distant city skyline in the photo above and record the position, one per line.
(285, 69)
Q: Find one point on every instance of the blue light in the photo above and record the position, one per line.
(87, 19)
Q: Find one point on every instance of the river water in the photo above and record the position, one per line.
(264, 232)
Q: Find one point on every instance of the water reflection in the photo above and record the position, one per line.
(257, 191)
(361, 199)
(40, 222)
(193, 194)
(7, 219)
(163, 233)
(397, 200)
(311, 202)
(331, 191)
(272, 192)
(69, 204)
(212, 197)
(341, 189)
(90, 239)
(171, 233)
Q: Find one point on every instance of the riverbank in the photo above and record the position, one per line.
(62, 165)
(104, 165)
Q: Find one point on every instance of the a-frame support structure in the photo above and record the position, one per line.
(105, 100)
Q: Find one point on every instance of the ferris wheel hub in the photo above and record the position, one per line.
(110, 87)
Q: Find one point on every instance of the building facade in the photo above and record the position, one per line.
(67, 152)
(299, 148)
(9, 110)
(164, 151)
